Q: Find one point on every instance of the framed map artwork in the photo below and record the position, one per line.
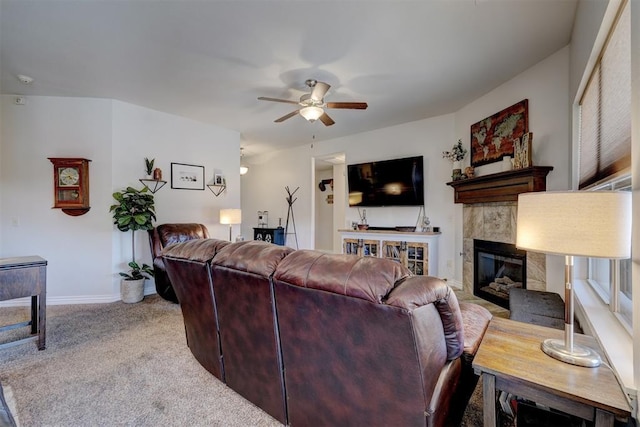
(494, 137)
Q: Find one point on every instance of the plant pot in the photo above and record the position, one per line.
(132, 291)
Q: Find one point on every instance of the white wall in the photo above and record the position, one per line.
(339, 203)
(140, 132)
(78, 249)
(263, 186)
(85, 253)
(546, 86)
(324, 213)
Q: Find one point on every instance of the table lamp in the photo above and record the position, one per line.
(230, 217)
(574, 223)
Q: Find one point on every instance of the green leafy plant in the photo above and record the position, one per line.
(134, 210)
(456, 154)
(148, 165)
(138, 272)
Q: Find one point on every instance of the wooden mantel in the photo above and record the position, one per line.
(501, 186)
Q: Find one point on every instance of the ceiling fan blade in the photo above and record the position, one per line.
(324, 118)
(265, 98)
(352, 105)
(288, 116)
(319, 91)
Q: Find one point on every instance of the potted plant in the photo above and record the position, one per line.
(148, 167)
(456, 155)
(133, 211)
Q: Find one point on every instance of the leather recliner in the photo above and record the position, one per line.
(188, 266)
(162, 236)
(241, 275)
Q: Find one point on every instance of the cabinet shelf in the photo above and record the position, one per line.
(217, 189)
(416, 251)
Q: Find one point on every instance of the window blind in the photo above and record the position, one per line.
(605, 109)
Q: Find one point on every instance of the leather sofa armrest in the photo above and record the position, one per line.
(417, 291)
(476, 320)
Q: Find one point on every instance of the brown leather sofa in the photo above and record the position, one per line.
(190, 276)
(162, 236)
(319, 339)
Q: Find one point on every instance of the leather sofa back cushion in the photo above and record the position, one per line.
(176, 233)
(370, 279)
(252, 256)
(199, 250)
(418, 291)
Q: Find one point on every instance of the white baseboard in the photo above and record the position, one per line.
(69, 300)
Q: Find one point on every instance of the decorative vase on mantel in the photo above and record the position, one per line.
(457, 171)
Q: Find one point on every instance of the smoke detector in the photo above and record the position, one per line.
(25, 79)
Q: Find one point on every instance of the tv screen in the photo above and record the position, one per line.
(398, 182)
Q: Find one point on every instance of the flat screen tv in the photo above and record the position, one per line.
(397, 182)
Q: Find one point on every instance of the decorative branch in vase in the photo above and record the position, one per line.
(456, 155)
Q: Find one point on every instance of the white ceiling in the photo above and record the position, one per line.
(210, 60)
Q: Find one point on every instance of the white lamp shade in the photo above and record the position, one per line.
(243, 169)
(577, 223)
(230, 216)
(311, 113)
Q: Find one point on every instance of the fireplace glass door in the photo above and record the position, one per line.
(498, 267)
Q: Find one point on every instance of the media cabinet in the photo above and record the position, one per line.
(417, 251)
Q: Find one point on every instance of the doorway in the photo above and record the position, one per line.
(329, 200)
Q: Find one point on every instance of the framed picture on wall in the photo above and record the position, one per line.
(187, 177)
(494, 137)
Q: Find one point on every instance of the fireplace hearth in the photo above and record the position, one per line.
(498, 267)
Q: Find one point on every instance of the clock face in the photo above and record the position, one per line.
(68, 176)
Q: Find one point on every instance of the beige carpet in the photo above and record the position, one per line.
(126, 365)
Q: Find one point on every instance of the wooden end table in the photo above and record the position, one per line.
(26, 277)
(510, 359)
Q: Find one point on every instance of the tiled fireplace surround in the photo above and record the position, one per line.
(496, 222)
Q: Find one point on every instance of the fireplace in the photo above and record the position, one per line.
(498, 267)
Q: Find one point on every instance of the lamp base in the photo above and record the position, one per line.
(580, 356)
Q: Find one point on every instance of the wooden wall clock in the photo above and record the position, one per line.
(71, 185)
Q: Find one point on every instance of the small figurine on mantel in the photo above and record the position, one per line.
(425, 224)
(469, 171)
(363, 220)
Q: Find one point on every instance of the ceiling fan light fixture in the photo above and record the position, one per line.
(311, 113)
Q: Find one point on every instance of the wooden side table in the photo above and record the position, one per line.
(23, 277)
(510, 359)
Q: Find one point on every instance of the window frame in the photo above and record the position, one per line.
(611, 293)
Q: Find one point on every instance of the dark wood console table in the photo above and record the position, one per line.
(269, 235)
(26, 277)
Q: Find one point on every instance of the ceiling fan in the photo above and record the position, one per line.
(312, 104)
